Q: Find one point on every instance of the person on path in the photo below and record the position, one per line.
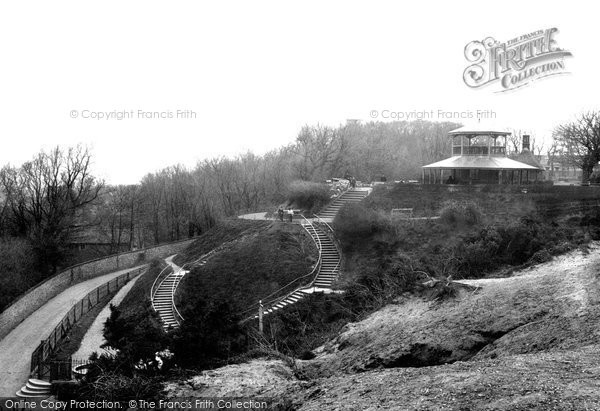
(280, 214)
(290, 214)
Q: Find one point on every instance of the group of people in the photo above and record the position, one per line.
(352, 182)
(289, 213)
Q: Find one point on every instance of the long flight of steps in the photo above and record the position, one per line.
(327, 274)
(163, 299)
(354, 195)
(330, 261)
(35, 389)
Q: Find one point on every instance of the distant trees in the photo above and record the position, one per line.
(54, 198)
(580, 142)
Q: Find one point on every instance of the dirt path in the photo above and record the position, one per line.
(169, 260)
(255, 216)
(17, 346)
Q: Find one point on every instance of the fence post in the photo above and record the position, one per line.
(40, 360)
(260, 317)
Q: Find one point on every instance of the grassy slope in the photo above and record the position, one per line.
(250, 269)
(427, 200)
(564, 217)
(224, 231)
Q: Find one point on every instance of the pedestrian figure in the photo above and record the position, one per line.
(290, 214)
(352, 182)
(280, 214)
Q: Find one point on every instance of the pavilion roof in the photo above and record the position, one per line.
(481, 162)
(479, 129)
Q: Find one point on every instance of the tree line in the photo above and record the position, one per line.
(54, 200)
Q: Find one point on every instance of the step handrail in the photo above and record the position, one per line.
(315, 268)
(337, 266)
(174, 309)
(277, 300)
(176, 314)
(153, 290)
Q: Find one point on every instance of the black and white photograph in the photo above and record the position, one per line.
(299, 206)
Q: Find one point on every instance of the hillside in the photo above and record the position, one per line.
(525, 342)
(259, 259)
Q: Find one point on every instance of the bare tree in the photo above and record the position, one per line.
(317, 147)
(47, 197)
(580, 141)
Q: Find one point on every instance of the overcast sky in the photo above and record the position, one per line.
(255, 72)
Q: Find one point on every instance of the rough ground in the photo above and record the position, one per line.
(531, 341)
(265, 378)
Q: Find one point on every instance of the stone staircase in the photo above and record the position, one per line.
(330, 257)
(354, 195)
(35, 389)
(330, 260)
(163, 296)
(162, 300)
(327, 271)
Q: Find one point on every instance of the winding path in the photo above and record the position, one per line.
(17, 346)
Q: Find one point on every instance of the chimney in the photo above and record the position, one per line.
(526, 142)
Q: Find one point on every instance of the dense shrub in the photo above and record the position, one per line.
(110, 379)
(210, 336)
(134, 328)
(516, 243)
(308, 196)
(454, 213)
(355, 223)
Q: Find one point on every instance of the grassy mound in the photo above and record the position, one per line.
(215, 297)
(224, 231)
(251, 268)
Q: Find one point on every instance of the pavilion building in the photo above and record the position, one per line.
(479, 157)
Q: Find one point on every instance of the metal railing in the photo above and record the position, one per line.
(176, 280)
(48, 346)
(335, 241)
(176, 314)
(268, 302)
(154, 288)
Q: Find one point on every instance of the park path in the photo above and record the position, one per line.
(17, 346)
(94, 337)
(255, 216)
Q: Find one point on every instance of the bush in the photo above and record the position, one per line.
(308, 196)
(356, 223)
(108, 380)
(134, 328)
(210, 336)
(454, 213)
